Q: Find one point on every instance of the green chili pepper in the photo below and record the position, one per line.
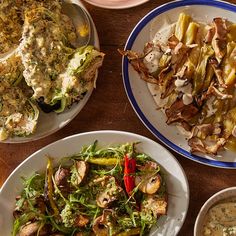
(49, 173)
(104, 161)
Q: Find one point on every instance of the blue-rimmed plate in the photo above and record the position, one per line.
(137, 90)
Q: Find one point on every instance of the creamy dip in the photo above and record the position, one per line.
(220, 220)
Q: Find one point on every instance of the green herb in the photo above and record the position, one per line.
(124, 215)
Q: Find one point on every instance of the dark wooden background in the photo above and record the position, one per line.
(109, 108)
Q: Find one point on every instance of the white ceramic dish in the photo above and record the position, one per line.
(52, 122)
(223, 194)
(116, 4)
(177, 184)
(137, 90)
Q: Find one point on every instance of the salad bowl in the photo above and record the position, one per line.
(176, 181)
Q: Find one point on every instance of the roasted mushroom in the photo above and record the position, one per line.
(61, 177)
(32, 229)
(81, 221)
(178, 112)
(99, 228)
(104, 223)
(150, 181)
(214, 91)
(205, 130)
(198, 145)
(136, 61)
(219, 40)
(148, 184)
(210, 34)
(79, 171)
(110, 193)
(154, 204)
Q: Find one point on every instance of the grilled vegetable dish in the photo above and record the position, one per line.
(190, 69)
(99, 191)
(40, 66)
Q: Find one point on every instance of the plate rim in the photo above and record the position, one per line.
(109, 132)
(116, 7)
(125, 64)
(31, 138)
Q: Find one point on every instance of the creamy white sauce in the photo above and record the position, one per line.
(180, 82)
(164, 33)
(156, 93)
(187, 99)
(152, 60)
(220, 220)
(185, 89)
(183, 131)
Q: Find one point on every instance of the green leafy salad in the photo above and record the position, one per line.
(109, 191)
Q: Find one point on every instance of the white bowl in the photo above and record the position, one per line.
(221, 195)
(177, 184)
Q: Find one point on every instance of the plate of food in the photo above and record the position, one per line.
(105, 182)
(178, 72)
(116, 4)
(217, 215)
(46, 75)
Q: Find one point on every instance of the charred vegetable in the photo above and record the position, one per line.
(93, 192)
(191, 71)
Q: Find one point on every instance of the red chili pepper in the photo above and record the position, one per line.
(129, 171)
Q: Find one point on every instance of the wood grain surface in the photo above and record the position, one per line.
(109, 108)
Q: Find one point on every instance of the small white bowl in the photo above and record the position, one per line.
(221, 195)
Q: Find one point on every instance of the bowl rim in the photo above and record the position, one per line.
(209, 203)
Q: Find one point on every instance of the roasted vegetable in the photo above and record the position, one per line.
(129, 172)
(182, 26)
(81, 197)
(195, 79)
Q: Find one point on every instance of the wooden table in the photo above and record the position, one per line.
(109, 108)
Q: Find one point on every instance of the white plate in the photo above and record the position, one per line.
(219, 196)
(177, 184)
(116, 4)
(51, 122)
(136, 89)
